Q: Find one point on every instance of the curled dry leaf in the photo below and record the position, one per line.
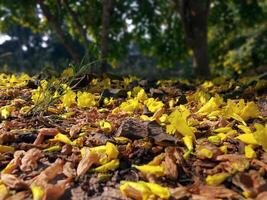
(13, 182)
(169, 163)
(18, 196)
(68, 170)
(43, 132)
(75, 129)
(87, 161)
(54, 192)
(29, 161)
(49, 173)
(214, 193)
(179, 192)
(14, 163)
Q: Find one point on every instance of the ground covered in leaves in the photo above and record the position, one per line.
(90, 137)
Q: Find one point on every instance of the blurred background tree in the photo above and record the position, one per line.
(135, 36)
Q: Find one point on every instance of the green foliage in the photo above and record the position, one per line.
(237, 31)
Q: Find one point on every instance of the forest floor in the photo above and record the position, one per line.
(90, 137)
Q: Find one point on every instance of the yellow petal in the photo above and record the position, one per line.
(261, 135)
(205, 153)
(158, 190)
(153, 105)
(249, 152)
(3, 191)
(224, 149)
(217, 179)
(68, 99)
(238, 118)
(99, 149)
(251, 110)
(150, 169)
(53, 148)
(178, 123)
(114, 164)
(104, 125)
(247, 138)
(157, 160)
(214, 139)
(37, 192)
(5, 149)
(85, 100)
(67, 73)
(144, 190)
(188, 141)
(222, 129)
(212, 105)
(245, 129)
(135, 190)
(111, 151)
(61, 138)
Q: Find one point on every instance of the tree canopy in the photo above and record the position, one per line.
(236, 31)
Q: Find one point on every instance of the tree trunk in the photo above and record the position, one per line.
(64, 38)
(194, 15)
(106, 14)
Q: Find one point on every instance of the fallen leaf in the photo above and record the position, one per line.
(30, 159)
(89, 158)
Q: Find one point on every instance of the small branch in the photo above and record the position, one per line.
(64, 38)
(77, 23)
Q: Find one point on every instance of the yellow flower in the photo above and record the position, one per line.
(251, 110)
(6, 111)
(130, 105)
(67, 73)
(85, 100)
(178, 124)
(153, 105)
(212, 105)
(141, 95)
(68, 99)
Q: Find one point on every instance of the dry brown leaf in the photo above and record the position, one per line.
(43, 132)
(54, 192)
(262, 196)
(179, 192)
(29, 161)
(19, 196)
(75, 129)
(169, 164)
(68, 170)
(87, 161)
(49, 173)
(214, 193)
(13, 182)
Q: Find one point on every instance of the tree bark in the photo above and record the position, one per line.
(106, 14)
(77, 23)
(64, 38)
(194, 15)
